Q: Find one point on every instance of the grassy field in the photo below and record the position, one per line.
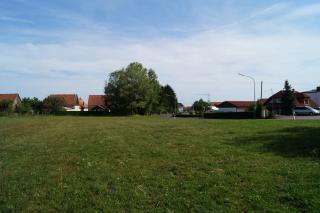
(134, 164)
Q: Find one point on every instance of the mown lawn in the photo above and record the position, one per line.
(134, 164)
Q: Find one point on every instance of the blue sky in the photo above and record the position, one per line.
(70, 46)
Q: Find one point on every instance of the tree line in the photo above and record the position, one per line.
(50, 105)
(131, 90)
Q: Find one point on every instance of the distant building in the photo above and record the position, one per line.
(314, 95)
(96, 103)
(15, 98)
(83, 105)
(180, 107)
(275, 103)
(235, 106)
(71, 101)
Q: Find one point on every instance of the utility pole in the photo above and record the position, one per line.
(261, 90)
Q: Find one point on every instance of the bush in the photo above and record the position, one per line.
(53, 105)
(6, 106)
(24, 108)
(229, 115)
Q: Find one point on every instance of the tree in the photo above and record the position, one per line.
(37, 105)
(200, 106)
(6, 106)
(24, 107)
(132, 90)
(288, 98)
(52, 105)
(30, 105)
(168, 99)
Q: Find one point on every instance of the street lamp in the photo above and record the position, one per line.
(254, 88)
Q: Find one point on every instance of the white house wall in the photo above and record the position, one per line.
(75, 109)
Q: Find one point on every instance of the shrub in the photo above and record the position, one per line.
(6, 106)
(53, 105)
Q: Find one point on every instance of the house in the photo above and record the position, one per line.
(96, 103)
(262, 101)
(180, 107)
(314, 95)
(235, 106)
(83, 105)
(15, 98)
(71, 101)
(275, 103)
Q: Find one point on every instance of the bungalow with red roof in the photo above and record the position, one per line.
(96, 103)
(275, 103)
(235, 106)
(71, 101)
(15, 98)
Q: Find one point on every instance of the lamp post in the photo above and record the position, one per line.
(254, 89)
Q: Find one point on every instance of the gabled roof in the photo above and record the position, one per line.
(237, 104)
(96, 100)
(10, 97)
(298, 98)
(70, 100)
(262, 101)
(215, 104)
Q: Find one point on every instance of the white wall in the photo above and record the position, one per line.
(75, 109)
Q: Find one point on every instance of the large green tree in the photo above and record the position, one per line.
(288, 98)
(30, 105)
(133, 90)
(168, 99)
(200, 106)
(52, 105)
(6, 106)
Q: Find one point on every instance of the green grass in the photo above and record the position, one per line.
(134, 164)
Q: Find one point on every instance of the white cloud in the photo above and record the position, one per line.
(309, 10)
(13, 19)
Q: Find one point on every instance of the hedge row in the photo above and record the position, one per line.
(229, 115)
(188, 116)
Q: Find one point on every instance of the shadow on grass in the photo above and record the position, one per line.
(287, 142)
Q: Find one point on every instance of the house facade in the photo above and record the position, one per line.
(235, 106)
(314, 95)
(15, 98)
(96, 103)
(276, 105)
(71, 101)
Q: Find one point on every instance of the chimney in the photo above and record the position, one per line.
(318, 89)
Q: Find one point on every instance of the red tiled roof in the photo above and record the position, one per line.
(96, 100)
(10, 97)
(237, 104)
(70, 100)
(215, 104)
(299, 98)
